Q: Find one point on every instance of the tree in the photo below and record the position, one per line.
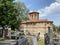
(23, 11)
(54, 27)
(58, 28)
(12, 13)
(8, 13)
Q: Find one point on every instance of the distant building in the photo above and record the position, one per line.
(36, 25)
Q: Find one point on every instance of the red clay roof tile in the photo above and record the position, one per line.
(35, 21)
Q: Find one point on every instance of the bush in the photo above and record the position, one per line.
(54, 35)
(12, 31)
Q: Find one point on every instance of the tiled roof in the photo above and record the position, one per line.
(35, 21)
(34, 12)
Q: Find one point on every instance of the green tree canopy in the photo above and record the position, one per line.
(7, 13)
(23, 11)
(11, 13)
(56, 28)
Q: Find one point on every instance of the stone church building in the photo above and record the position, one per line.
(35, 25)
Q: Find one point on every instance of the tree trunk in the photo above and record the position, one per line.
(12, 27)
(5, 32)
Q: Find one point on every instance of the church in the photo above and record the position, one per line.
(35, 25)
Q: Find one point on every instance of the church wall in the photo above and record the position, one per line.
(35, 28)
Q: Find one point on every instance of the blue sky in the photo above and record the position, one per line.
(48, 9)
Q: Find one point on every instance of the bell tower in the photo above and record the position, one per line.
(34, 15)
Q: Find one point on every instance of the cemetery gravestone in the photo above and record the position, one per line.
(46, 37)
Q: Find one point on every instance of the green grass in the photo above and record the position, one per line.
(40, 42)
(1, 39)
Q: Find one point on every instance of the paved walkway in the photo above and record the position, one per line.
(8, 42)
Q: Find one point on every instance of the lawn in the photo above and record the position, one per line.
(1, 39)
(40, 42)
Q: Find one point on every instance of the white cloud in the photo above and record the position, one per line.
(53, 9)
(57, 0)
